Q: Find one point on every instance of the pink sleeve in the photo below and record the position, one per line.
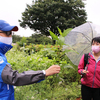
(81, 65)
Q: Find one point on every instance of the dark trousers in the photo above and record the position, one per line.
(90, 93)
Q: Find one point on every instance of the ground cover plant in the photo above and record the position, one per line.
(63, 86)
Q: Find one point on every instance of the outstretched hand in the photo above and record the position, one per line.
(54, 69)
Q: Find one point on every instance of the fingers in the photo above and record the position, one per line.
(54, 69)
(57, 68)
(85, 72)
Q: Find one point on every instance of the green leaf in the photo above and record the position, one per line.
(70, 50)
(61, 41)
(59, 31)
(53, 35)
(66, 32)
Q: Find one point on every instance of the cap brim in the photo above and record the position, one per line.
(15, 28)
(10, 28)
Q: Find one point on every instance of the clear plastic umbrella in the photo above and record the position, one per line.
(79, 39)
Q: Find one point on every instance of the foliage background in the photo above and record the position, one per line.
(63, 86)
(44, 15)
(37, 52)
(33, 39)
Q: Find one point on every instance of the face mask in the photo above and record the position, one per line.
(95, 49)
(6, 40)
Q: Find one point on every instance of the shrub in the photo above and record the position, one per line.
(62, 86)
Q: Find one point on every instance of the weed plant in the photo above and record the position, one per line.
(63, 86)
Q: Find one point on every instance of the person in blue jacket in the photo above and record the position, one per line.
(10, 77)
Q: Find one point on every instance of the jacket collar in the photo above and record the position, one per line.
(94, 58)
(4, 47)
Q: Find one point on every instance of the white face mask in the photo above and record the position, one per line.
(6, 40)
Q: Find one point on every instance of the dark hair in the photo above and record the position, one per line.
(95, 39)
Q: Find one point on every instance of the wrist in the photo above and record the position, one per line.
(44, 72)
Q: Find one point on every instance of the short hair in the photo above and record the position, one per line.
(95, 39)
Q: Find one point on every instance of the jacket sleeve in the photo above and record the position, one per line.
(19, 79)
(81, 65)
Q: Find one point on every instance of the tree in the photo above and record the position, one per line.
(23, 41)
(16, 38)
(39, 39)
(45, 15)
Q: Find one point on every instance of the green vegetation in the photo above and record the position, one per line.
(45, 15)
(33, 39)
(63, 86)
(39, 52)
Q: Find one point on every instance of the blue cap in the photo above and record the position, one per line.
(4, 26)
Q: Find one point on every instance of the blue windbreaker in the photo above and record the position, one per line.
(6, 90)
(9, 77)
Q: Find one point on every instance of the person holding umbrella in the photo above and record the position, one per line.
(10, 77)
(90, 81)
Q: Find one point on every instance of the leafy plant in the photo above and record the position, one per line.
(63, 86)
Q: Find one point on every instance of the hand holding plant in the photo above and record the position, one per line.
(54, 69)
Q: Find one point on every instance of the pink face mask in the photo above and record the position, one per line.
(95, 49)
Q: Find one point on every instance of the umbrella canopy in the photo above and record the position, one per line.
(79, 39)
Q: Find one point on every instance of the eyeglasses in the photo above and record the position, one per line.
(7, 33)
